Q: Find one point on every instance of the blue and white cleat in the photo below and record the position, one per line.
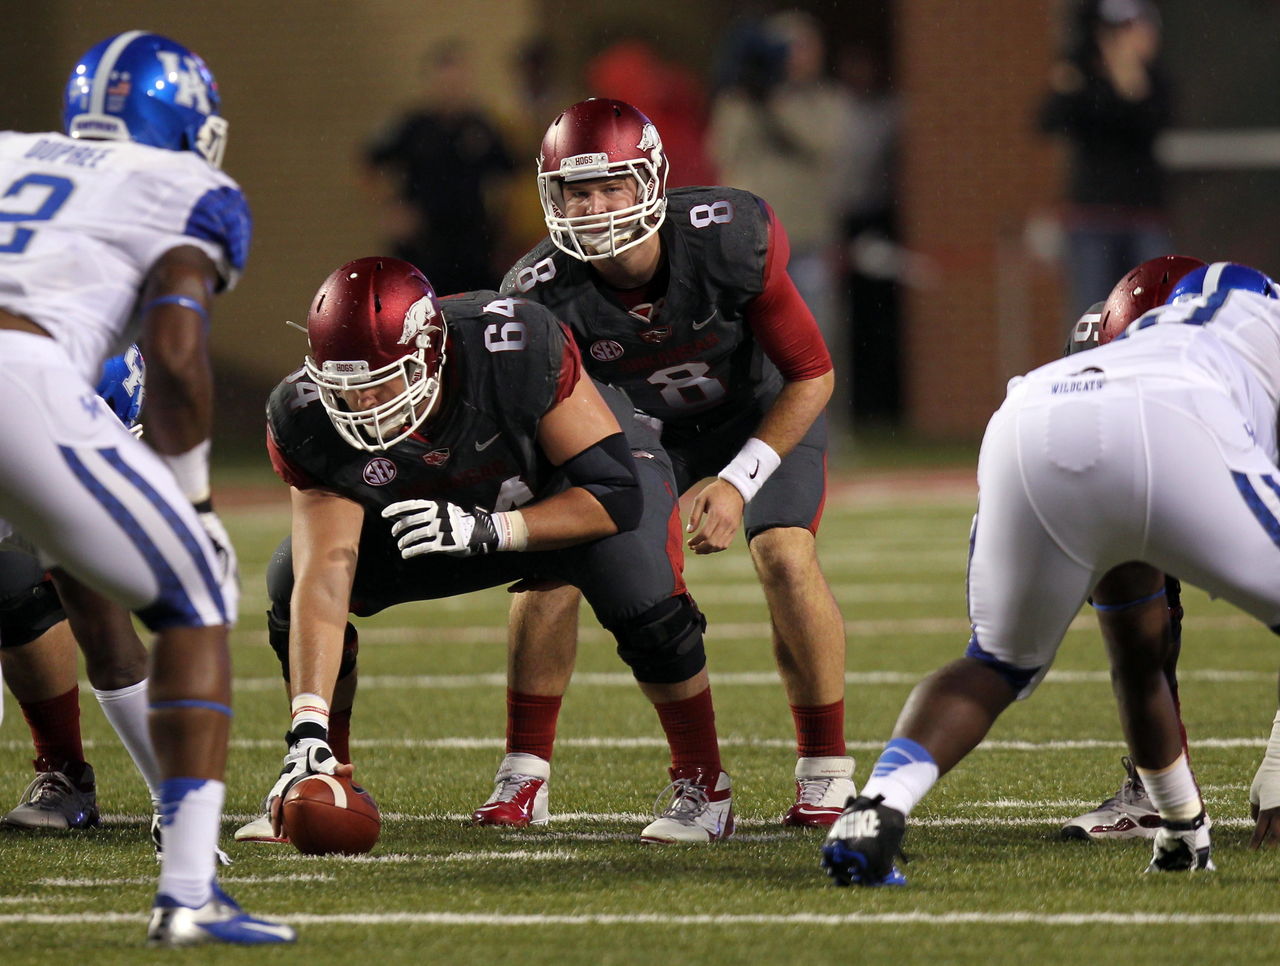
(220, 920)
(863, 842)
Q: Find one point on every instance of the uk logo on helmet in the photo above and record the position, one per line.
(183, 71)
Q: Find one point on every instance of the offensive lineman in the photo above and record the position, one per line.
(682, 299)
(126, 221)
(1180, 475)
(410, 437)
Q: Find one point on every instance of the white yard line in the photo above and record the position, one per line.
(507, 920)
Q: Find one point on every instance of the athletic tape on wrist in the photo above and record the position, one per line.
(191, 471)
(1267, 778)
(748, 471)
(513, 532)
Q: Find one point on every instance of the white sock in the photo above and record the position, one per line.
(191, 817)
(903, 774)
(1173, 790)
(126, 709)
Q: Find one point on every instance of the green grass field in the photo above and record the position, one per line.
(989, 881)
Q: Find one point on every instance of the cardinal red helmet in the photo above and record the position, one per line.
(1144, 288)
(601, 138)
(375, 322)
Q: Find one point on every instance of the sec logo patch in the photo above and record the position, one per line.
(379, 471)
(606, 350)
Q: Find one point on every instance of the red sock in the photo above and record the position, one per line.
(55, 727)
(531, 723)
(820, 730)
(340, 735)
(690, 727)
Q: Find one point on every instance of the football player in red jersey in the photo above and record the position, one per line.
(682, 299)
(435, 447)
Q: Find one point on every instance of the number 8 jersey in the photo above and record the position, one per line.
(83, 221)
(717, 324)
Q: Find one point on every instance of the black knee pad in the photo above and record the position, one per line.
(29, 603)
(664, 644)
(278, 637)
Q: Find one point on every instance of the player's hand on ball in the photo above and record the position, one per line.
(308, 756)
(436, 526)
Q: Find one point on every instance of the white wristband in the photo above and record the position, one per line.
(191, 470)
(513, 532)
(1265, 790)
(754, 464)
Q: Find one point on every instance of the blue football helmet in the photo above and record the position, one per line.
(123, 385)
(1221, 277)
(143, 87)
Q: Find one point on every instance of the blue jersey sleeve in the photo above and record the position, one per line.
(222, 217)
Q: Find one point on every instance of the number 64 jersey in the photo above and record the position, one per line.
(509, 361)
(82, 222)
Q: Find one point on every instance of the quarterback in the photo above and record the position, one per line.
(682, 299)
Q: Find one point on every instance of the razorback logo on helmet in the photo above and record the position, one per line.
(417, 324)
(437, 457)
(606, 350)
(650, 140)
(379, 471)
(184, 72)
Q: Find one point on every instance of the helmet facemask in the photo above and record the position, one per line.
(605, 234)
(387, 423)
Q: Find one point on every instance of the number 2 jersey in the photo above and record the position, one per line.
(710, 343)
(82, 222)
(509, 361)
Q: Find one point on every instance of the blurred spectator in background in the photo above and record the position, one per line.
(539, 94)
(1110, 101)
(670, 95)
(778, 130)
(873, 258)
(433, 169)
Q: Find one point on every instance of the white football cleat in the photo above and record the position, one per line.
(823, 788)
(220, 920)
(1128, 814)
(695, 809)
(520, 794)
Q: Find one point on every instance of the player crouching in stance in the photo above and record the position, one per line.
(409, 439)
(123, 223)
(1155, 453)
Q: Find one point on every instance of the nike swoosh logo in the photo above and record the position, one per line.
(481, 447)
(707, 321)
(752, 474)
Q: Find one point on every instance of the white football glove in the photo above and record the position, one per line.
(435, 526)
(307, 756)
(227, 571)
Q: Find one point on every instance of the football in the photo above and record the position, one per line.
(328, 815)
